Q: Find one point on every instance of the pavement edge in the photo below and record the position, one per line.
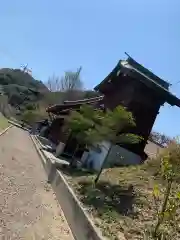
(79, 222)
(5, 130)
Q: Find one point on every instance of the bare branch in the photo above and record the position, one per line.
(69, 82)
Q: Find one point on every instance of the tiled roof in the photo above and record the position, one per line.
(158, 86)
(137, 71)
(68, 105)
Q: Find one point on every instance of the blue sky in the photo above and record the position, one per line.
(58, 35)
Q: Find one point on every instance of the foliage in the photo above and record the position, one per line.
(51, 98)
(113, 208)
(114, 122)
(16, 76)
(31, 106)
(21, 89)
(91, 125)
(83, 124)
(32, 116)
(157, 137)
(167, 216)
(24, 92)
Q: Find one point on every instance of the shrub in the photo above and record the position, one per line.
(167, 200)
(32, 116)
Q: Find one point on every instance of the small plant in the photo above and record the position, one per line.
(167, 200)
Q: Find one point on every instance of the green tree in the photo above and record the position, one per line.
(20, 88)
(91, 126)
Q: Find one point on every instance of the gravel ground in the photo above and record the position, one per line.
(28, 207)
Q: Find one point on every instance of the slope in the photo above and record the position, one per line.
(20, 87)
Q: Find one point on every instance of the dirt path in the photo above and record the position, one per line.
(28, 208)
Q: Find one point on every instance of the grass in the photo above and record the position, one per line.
(122, 201)
(3, 123)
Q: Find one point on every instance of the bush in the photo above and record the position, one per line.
(32, 116)
(167, 200)
(30, 106)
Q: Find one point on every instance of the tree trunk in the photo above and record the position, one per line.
(73, 161)
(102, 166)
